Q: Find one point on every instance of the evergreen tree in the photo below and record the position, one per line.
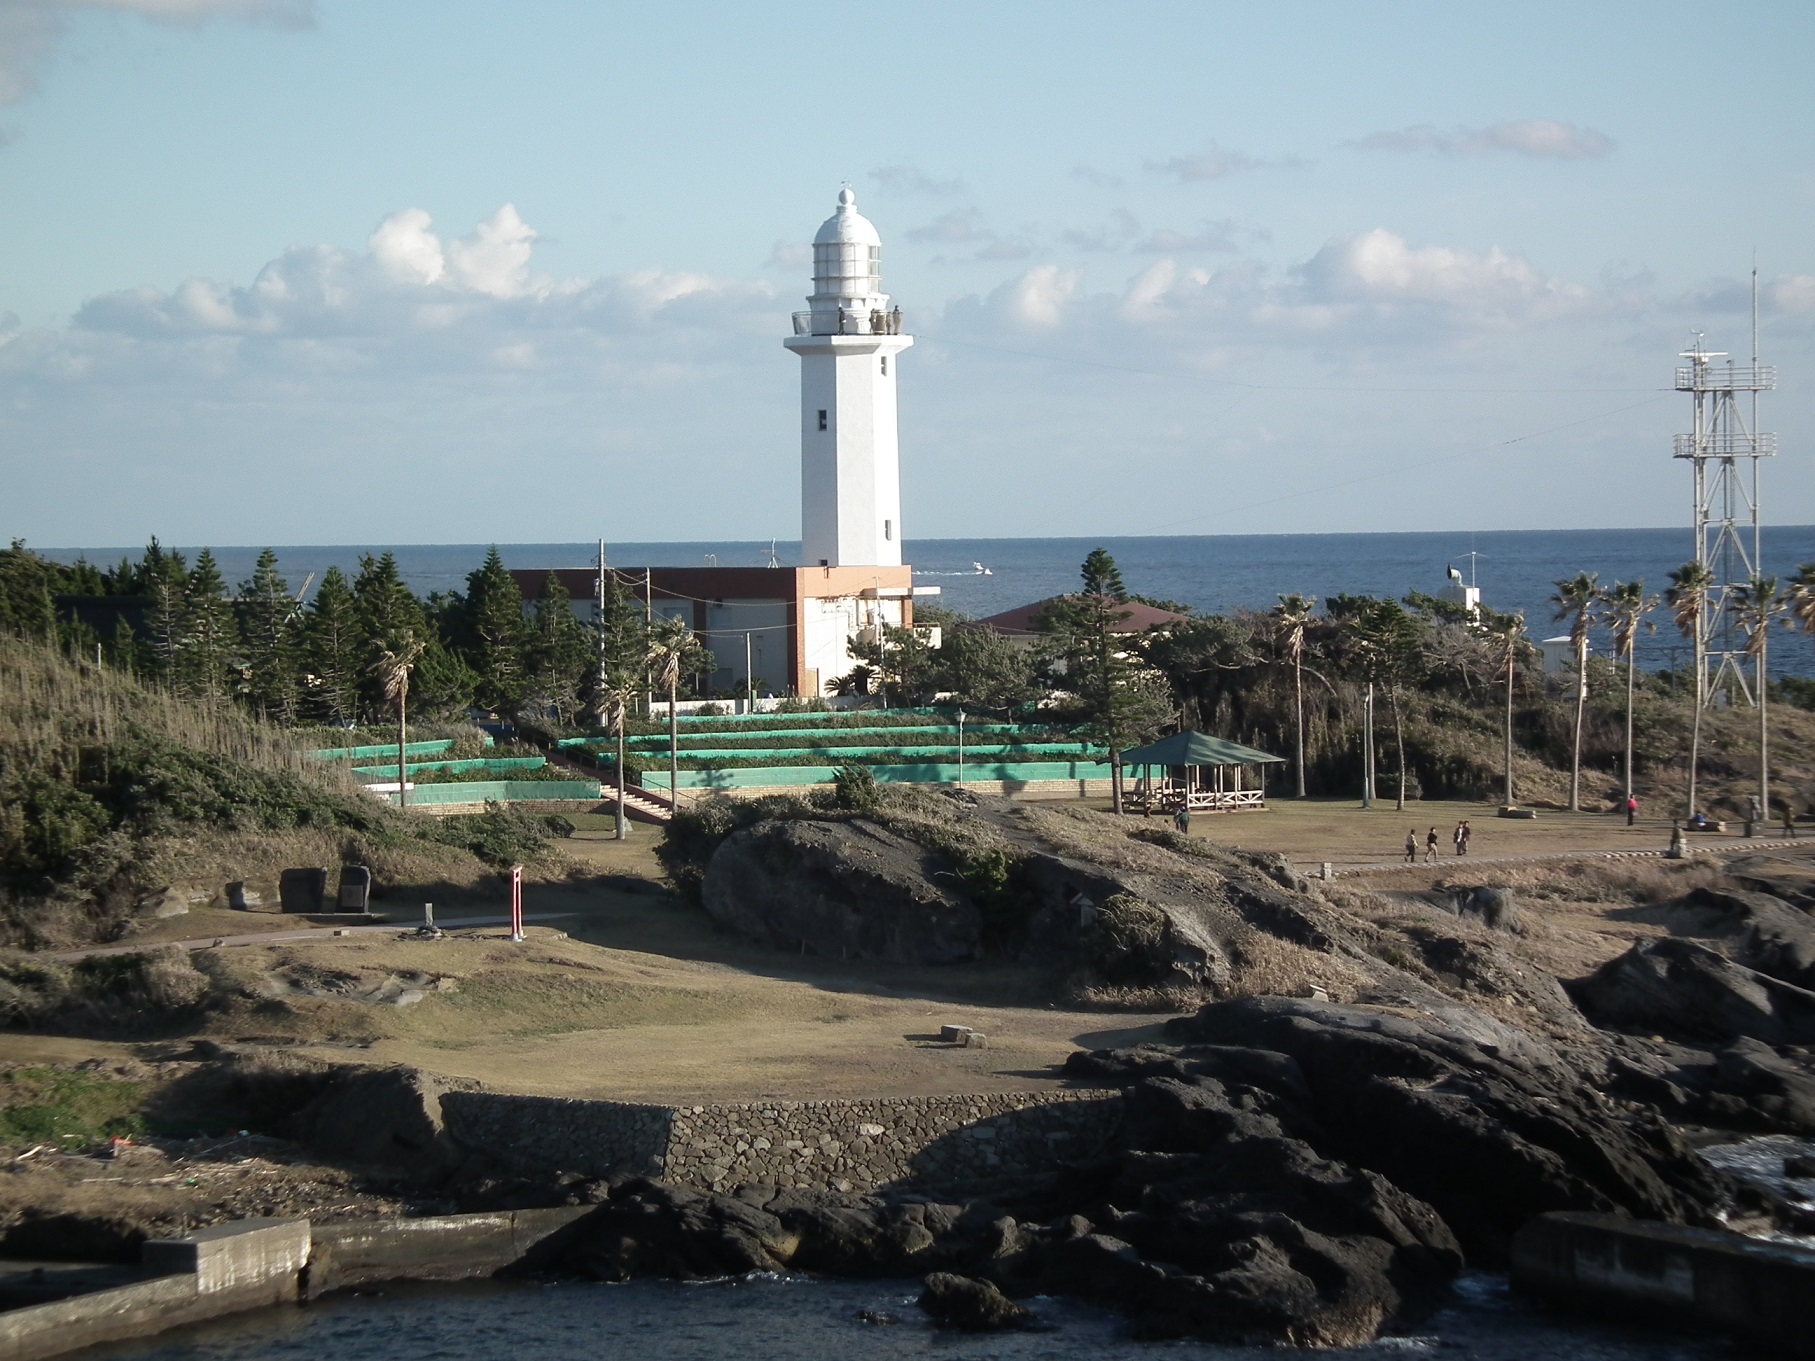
(268, 616)
(331, 651)
(1090, 656)
(562, 660)
(388, 618)
(162, 578)
(27, 583)
(210, 639)
(494, 637)
(1102, 577)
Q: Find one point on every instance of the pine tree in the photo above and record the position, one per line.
(388, 618)
(268, 615)
(495, 638)
(161, 577)
(1090, 656)
(210, 634)
(562, 660)
(331, 651)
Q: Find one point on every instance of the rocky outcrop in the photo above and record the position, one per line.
(382, 1117)
(1484, 1124)
(845, 889)
(971, 1306)
(1689, 991)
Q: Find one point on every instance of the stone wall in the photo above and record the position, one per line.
(839, 1145)
(548, 1134)
(859, 1145)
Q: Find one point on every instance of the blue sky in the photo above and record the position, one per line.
(291, 272)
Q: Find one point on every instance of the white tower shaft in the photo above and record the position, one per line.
(848, 343)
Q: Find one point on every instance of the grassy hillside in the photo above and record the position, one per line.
(111, 790)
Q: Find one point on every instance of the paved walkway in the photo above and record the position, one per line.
(1340, 869)
(314, 933)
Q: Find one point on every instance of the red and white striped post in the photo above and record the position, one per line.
(516, 902)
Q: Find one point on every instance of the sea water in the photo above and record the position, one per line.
(1515, 569)
(790, 1318)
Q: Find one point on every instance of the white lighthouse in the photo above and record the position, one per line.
(848, 340)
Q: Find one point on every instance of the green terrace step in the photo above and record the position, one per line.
(757, 777)
(828, 716)
(497, 763)
(824, 732)
(884, 739)
(500, 791)
(907, 754)
(384, 749)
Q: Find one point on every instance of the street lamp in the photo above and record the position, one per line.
(960, 746)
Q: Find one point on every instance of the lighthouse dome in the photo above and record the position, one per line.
(847, 226)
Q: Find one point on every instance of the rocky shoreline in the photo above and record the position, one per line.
(1366, 1093)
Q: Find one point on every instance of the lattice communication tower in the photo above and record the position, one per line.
(1724, 448)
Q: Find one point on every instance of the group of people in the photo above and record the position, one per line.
(1458, 838)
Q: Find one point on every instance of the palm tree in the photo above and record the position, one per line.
(1760, 603)
(1575, 600)
(1627, 606)
(673, 652)
(1799, 597)
(393, 670)
(1293, 615)
(1506, 632)
(1687, 597)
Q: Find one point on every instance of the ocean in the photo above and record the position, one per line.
(788, 1318)
(1515, 569)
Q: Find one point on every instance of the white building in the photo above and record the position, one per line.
(790, 628)
(849, 341)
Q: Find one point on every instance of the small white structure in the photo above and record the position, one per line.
(1559, 654)
(848, 340)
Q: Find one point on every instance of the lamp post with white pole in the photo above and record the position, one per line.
(960, 746)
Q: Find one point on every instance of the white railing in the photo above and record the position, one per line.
(1727, 444)
(847, 322)
(1726, 378)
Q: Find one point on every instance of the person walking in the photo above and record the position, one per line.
(1411, 847)
(1456, 838)
(1632, 810)
(1430, 845)
(1467, 832)
(1182, 820)
(1789, 822)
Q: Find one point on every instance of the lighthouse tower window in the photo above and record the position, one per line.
(822, 420)
(888, 529)
(885, 366)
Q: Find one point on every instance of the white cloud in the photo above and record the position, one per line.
(1791, 293)
(910, 179)
(495, 259)
(1101, 178)
(1039, 297)
(1122, 227)
(957, 227)
(1215, 163)
(407, 249)
(1379, 270)
(1210, 236)
(1541, 137)
(30, 28)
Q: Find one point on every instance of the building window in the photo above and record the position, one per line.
(888, 530)
(885, 366)
(822, 420)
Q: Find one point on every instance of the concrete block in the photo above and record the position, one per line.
(247, 1252)
(1608, 1264)
(953, 1034)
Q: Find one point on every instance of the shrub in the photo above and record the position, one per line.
(854, 789)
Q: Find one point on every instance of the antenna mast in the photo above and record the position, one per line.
(1727, 538)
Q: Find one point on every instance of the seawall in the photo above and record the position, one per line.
(854, 1145)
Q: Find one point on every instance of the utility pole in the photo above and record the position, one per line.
(1367, 749)
(749, 676)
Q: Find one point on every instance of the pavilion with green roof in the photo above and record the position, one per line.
(1198, 772)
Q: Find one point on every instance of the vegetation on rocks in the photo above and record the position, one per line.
(107, 782)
